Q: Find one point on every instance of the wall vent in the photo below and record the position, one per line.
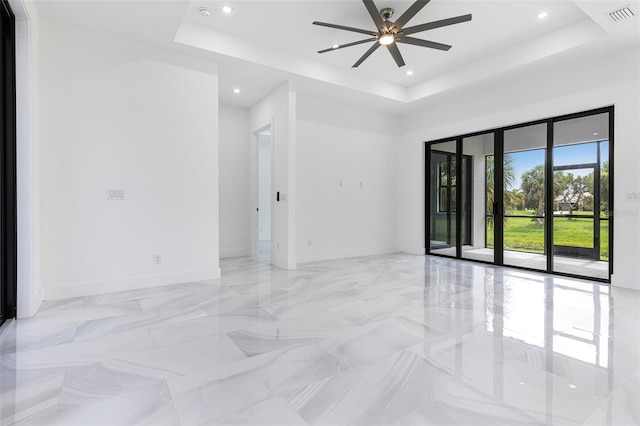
(621, 14)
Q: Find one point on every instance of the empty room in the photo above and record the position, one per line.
(305, 212)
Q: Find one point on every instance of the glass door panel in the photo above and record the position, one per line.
(580, 184)
(443, 194)
(524, 196)
(477, 216)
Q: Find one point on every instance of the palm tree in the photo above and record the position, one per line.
(510, 198)
(604, 188)
(533, 188)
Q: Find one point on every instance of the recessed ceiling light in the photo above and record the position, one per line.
(595, 134)
(572, 386)
(542, 15)
(227, 9)
(335, 46)
(236, 90)
(205, 12)
(409, 72)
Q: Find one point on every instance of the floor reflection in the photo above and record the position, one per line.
(547, 346)
(390, 339)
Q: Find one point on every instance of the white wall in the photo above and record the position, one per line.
(278, 109)
(339, 148)
(120, 115)
(29, 284)
(265, 173)
(560, 85)
(235, 183)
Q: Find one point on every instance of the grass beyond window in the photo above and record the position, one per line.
(524, 234)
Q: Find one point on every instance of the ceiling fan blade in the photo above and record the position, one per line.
(395, 52)
(436, 24)
(342, 46)
(342, 27)
(410, 13)
(375, 14)
(366, 55)
(423, 43)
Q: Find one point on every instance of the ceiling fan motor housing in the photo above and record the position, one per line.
(386, 13)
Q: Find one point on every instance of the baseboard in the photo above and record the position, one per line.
(344, 254)
(53, 292)
(283, 263)
(420, 251)
(625, 281)
(36, 302)
(235, 252)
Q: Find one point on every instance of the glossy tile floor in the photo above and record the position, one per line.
(396, 339)
(567, 265)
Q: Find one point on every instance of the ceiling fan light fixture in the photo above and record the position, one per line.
(227, 9)
(543, 15)
(386, 39)
(335, 46)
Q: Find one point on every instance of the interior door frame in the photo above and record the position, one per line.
(255, 192)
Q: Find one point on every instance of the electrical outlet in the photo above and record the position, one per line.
(157, 259)
(115, 194)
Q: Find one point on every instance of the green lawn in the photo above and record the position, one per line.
(523, 234)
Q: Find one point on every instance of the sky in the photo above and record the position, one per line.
(563, 155)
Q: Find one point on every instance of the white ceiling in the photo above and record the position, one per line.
(263, 43)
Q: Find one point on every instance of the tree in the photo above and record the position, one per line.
(510, 198)
(573, 189)
(604, 188)
(534, 190)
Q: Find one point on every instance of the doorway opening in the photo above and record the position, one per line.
(264, 200)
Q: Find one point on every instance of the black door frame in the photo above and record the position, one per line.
(461, 172)
(8, 215)
(549, 199)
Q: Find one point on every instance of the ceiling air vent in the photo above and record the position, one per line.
(621, 14)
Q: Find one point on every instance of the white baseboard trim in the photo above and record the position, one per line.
(235, 252)
(625, 281)
(345, 254)
(36, 302)
(288, 264)
(53, 292)
(421, 251)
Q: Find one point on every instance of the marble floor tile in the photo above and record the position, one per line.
(270, 412)
(369, 343)
(373, 393)
(388, 339)
(466, 406)
(211, 394)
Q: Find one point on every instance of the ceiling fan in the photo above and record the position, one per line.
(390, 33)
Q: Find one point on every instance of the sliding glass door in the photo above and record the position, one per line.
(443, 198)
(580, 210)
(524, 190)
(534, 196)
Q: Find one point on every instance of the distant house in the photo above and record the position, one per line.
(571, 203)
